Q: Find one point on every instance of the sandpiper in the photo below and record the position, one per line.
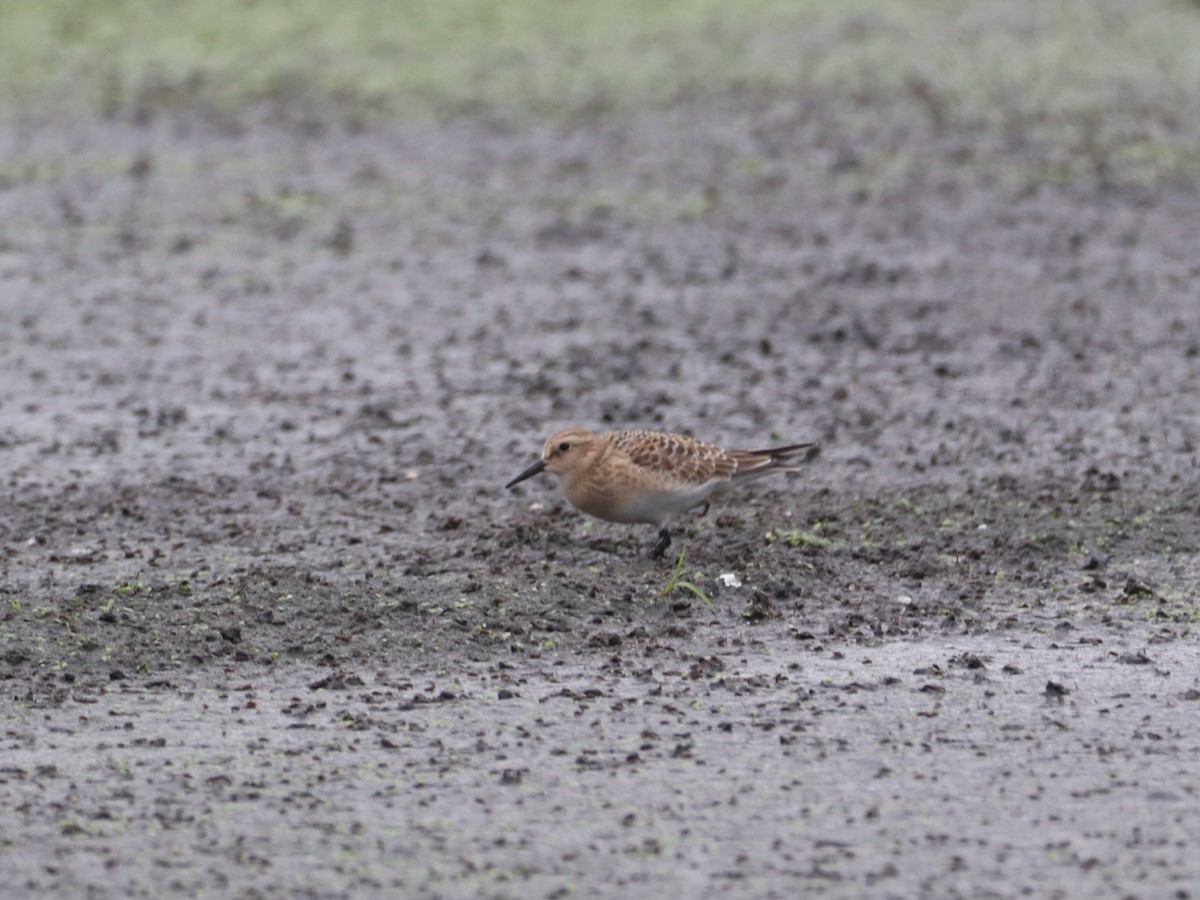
(649, 476)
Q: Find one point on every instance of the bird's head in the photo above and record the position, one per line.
(565, 453)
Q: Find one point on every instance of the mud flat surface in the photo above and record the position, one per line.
(269, 626)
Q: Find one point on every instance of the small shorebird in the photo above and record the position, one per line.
(649, 476)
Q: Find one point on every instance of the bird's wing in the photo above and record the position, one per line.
(686, 461)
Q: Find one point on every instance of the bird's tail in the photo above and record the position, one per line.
(774, 459)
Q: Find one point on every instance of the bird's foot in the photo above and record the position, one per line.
(664, 541)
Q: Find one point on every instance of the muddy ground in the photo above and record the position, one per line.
(271, 627)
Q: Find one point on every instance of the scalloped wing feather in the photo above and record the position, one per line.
(682, 459)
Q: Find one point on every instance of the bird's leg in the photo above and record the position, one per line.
(664, 541)
(703, 512)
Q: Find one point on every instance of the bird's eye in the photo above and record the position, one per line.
(564, 446)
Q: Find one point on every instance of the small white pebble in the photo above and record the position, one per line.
(983, 526)
(411, 475)
(729, 580)
(904, 600)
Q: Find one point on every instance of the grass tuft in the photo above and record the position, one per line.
(676, 582)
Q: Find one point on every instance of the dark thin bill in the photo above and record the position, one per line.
(535, 469)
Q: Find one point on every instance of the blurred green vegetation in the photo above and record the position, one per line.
(956, 60)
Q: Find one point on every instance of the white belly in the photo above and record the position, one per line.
(655, 507)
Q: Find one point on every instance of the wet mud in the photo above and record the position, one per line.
(270, 625)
